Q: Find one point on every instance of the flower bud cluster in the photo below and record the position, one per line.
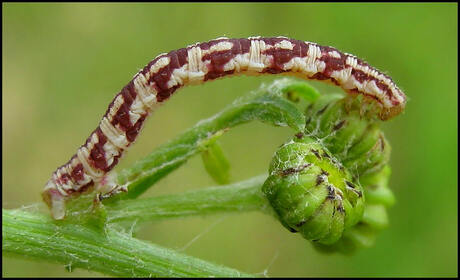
(330, 182)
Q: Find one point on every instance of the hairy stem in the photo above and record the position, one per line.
(95, 241)
(239, 197)
(106, 250)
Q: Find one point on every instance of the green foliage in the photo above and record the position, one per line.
(62, 66)
(315, 186)
(266, 105)
(349, 129)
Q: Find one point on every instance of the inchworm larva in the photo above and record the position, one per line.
(199, 63)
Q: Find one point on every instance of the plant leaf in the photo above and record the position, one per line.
(216, 163)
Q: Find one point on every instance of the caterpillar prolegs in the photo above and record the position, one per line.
(199, 63)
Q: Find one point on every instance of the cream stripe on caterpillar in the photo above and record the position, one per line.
(199, 63)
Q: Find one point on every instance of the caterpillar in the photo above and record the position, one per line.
(199, 63)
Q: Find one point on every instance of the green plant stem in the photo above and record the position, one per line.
(239, 197)
(107, 251)
(267, 105)
(96, 245)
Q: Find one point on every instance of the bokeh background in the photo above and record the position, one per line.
(63, 63)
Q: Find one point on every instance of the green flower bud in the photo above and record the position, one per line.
(311, 192)
(348, 128)
(375, 215)
(378, 198)
(315, 179)
(376, 187)
(358, 236)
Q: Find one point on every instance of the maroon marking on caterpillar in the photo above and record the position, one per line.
(77, 173)
(217, 62)
(97, 154)
(282, 56)
(196, 64)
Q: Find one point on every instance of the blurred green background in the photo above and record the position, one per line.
(63, 63)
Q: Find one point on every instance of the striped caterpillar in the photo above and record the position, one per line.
(199, 63)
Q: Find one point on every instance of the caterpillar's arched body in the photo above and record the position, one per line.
(199, 63)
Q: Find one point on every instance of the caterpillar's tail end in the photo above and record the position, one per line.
(55, 200)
